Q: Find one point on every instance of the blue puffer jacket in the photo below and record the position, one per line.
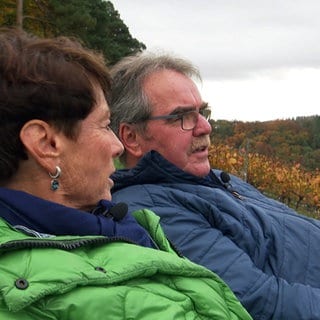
(267, 254)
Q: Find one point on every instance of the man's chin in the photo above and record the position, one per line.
(199, 169)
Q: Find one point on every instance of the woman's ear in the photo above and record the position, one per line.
(131, 140)
(41, 141)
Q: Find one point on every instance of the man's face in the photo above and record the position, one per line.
(171, 93)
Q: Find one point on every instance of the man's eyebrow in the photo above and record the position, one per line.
(183, 109)
(205, 105)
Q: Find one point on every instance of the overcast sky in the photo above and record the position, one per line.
(259, 59)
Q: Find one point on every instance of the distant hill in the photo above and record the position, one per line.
(291, 140)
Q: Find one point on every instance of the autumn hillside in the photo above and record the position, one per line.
(281, 158)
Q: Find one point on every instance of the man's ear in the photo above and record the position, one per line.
(130, 139)
(41, 141)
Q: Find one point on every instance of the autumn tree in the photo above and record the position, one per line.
(33, 14)
(290, 184)
(290, 140)
(95, 22)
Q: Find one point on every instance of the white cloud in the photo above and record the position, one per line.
(263, 98)
(253, 54)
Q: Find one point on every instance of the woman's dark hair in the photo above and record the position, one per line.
(46, 79)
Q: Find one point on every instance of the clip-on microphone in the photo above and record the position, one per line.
(119, 211)
(225, 178)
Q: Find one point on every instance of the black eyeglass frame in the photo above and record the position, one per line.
(204, 112)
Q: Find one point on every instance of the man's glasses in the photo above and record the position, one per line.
(189, 119)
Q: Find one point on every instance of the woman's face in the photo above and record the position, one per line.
(87, 162)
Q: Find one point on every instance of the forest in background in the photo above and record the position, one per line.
(290, 140)
(95, 22)
(281, 158)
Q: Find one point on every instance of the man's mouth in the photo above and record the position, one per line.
(200, 149)
(201, 144)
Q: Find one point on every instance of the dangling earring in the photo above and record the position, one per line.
(54, 177)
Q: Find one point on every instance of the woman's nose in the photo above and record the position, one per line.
(118, 146)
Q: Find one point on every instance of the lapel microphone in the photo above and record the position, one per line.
(117, 212)
(225, 178)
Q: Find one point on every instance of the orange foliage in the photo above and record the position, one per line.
(292, 185)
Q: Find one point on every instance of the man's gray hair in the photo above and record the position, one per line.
(129, 102)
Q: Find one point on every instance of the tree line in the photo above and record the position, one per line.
(281, 158)
(290, 140)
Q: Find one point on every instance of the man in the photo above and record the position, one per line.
(267, 253)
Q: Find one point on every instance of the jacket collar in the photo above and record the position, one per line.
(42, 218)
(153, 168)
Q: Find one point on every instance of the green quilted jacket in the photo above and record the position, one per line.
(94, 278)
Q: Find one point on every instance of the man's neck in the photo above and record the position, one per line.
(131, 161)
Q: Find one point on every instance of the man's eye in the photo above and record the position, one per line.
(175, 117)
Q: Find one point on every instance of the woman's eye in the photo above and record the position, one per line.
(106, 125)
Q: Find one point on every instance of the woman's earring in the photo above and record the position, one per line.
(54, 177)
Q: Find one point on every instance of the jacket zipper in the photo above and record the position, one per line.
(73, 244)
(61, 244)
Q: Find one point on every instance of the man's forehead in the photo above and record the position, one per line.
(162, 90)
(168, 77)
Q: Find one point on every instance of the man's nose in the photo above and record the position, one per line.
(202, 127)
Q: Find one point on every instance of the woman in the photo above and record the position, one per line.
(66, 251)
